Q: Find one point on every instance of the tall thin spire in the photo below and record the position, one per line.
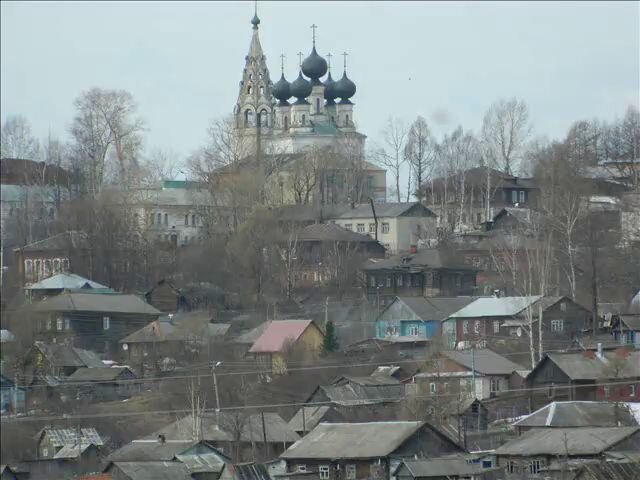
(255, 21)
(282, 57)
(313, 28)
(344, 54)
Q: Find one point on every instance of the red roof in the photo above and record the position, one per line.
(99, 476)
(278, 335)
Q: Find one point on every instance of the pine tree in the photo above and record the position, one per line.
(330, 343)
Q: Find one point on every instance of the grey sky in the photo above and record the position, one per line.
(448, 61)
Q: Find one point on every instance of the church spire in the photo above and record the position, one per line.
(255, 21)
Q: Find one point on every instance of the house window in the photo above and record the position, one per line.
(360, 227)
(372, 281)
(385, 228)
(324, 472)
(632, 390)
(186, 220)
(388, 281)
(38, 270)
(67, 324)
(317, 105)
(304, 119)
(496, 326)
(166, 219)
(47, 267)
(432, 388)
(302, 468)
(45, 452)
(607, 391)
(446, 386)
(534, 466)
(494, 385)
(349, 226)
(56, 266)
(478, 218)
(521, 196)
(514, 196)
(511, 467)
(557, 325)
(372, 228)
(465, 326)
(476, 326)
(413, 331)
(59, 323)
(65, 265)
(563, 307)
(29, 267)
(399, 280)
(48, 324)
(105, 323)
(350, 471)
(193, 220)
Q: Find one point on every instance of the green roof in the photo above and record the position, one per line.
(179, 184)
(324, 128)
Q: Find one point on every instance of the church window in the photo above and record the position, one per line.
(333, 119)
(186, 220)
(261, 90)
(159, 219)
(260, 76)
(304, 119)
(166, 219)
(317, 105)
(264, 117)
(286, 123)
(248, 118)
(249, 89)
(346, 120)
(251, 76)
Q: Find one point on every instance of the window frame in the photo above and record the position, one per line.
(433, 388)
(632, 390)
(350, 471)
(557, 325)
(496, 326)
(360, 228)
(414, 331)
(106, 323)
(324, 472)
(465, 326)
(59, 324)
(386, 227)
(372, 228)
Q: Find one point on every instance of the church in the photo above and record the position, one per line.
(312, 113)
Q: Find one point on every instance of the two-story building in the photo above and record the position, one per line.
(397, 226)
(431, 272)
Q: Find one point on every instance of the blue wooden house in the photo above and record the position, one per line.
(11, 397)
(417, 316)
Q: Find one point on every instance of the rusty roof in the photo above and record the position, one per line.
(279, 334)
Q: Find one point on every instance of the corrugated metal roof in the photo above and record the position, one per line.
(443, 467)
(64, 281)
(154, 470)
(363, 210)
(150, 450)
(158, 331)
(435, 308)
(311, 417)
(496, 307)
(61, 437)
(84, 302)
(352, 440)
(579, 414)
(589, 366)
(440, 257)
(330, 232)
(485, 361)
(567, 441)
(278, 335)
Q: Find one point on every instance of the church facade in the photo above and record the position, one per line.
(312, 113)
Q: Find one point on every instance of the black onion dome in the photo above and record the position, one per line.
(345, 88)
(314, 66)
(300, 88)
(282, 89)
(330, 90)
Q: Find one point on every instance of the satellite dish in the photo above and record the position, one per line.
(125, 347)
(519, 331)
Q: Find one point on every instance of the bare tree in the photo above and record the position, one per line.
(392, 155)
(159, 165)
(420, 151)
(17, 140)
(505, 129)
(106, 121)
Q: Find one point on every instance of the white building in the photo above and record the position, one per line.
(400, 225)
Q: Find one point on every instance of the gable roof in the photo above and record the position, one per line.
(312, 416)
(61, 355)
(99, 374)
(571, 441)
(61, 437)
(487, 362)
(154, 450)
(279, 334)
(589, 366)
(159, 331)
(386, 210)
(331, 232)
(70, 240)
(86, 302)
(252, 335)
(442, 467)
(434, 308)
(579, 414)
(153, 470)
(351, 393)
(496, 307)
(63, 281)
(439, 257)
(352, 440)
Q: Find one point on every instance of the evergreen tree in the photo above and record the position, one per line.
(330, 343)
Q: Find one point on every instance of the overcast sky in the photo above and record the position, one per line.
(448, 61)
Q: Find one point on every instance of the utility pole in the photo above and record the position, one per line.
(215, 386)
(473, 370)
(264, 436)
(326, 314)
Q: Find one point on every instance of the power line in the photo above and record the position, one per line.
(369, 401)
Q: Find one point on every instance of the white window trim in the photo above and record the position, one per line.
(106, 323)
(350, 471)
(386, 228)
(414, 331)
(324, 472)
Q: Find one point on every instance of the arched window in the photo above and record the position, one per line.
(333, 119)
(56, 266)
(65, 265)
(159, 219)
(249, 89)
(28, 266)
(264, 118)
(186, 220)
(260, 76)
(286, 123)
(261, 90)
(304, 119)
(317, 105)
(193, 220)
(248, 118)
(251, 76)
(347, 120)
(166, 219)
(47, 267)
(37, 269)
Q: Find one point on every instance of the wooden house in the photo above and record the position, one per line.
(103, 384)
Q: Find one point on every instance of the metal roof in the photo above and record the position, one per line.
(63, 281)
(435, 308)
(567, 441)
(589, 366)
(485, 361)
(154, 470)
(99, 374)
(85, 302)
(61, 437)
(62, 241)
(354, 394)
(439, 257)
(159, 331)
(279, 334)
(60, 355)
(579, 414)
(154, 450)
(312, 417)
(352, 440)
(252, 335)
(453, 466)
(386, 210)
(496, 307)
(330, 232)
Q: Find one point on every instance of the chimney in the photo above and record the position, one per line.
(413, 249)
(162, 438)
